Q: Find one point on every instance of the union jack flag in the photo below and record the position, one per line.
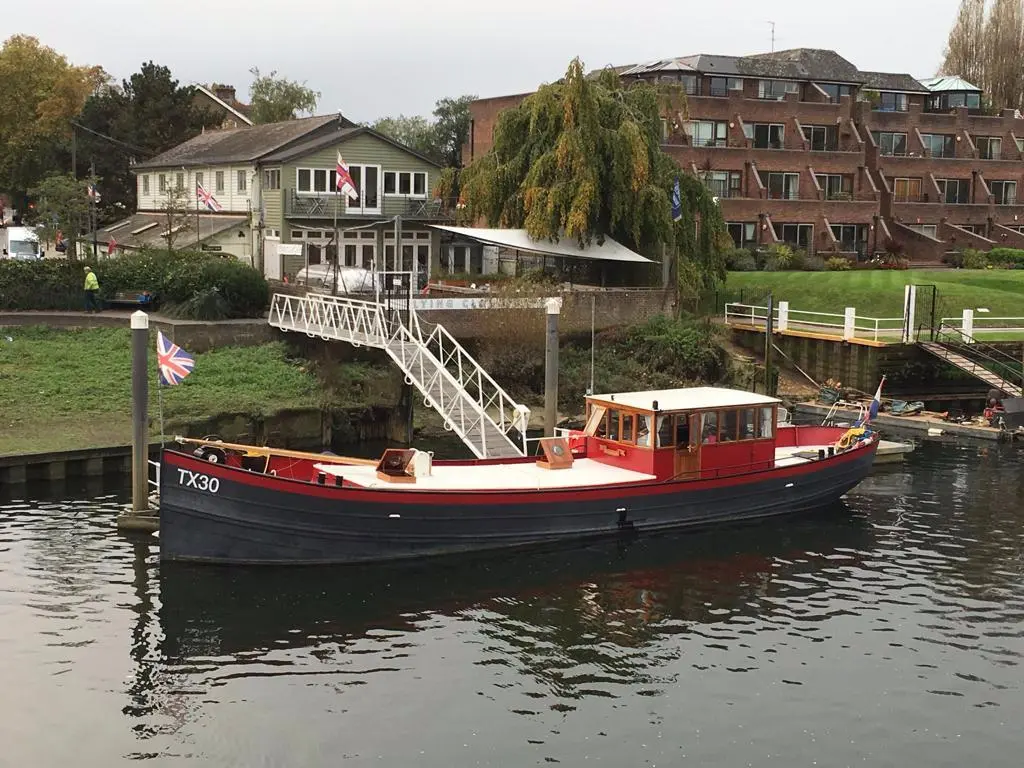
(207, 199)
(174, 362)
(344, 181)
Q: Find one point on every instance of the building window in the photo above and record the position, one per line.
(954, 191)
(835, 186)
(689, 84)
(939, 144)
(161, 183)
(242, 180)
(835, 91)
(781, 186)
(1005, 192)
(925, 229)
(218, 180)
(776, 89)
(766, 135)
(798, 235)
(1020, 145)
(822, 138)
(664, 130)
(272, 179)
(906, 190)
(179, 181)
(145, 184)
(723, 183)
(409, 183)
(851, 237)
(989, 147)
(891, 144)
(706, 133)
(945, 102)
(310, 181)
(892, 102)
(199, 178)
(744, 234)
(721, 86)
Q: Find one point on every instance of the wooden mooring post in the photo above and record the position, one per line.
(140, 518)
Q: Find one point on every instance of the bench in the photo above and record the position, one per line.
(132, 299)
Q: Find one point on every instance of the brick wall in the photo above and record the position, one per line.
(484, 116)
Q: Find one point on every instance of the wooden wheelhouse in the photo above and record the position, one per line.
(683, 434)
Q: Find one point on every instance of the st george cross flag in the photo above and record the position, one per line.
(344, 182)
(111, 246)
(207, 199)
(174, 362)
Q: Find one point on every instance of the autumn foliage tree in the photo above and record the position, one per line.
(581, 159)
(40, 93)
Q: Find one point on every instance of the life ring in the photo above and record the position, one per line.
(213, 455)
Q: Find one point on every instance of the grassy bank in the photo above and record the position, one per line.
(879, 293)
(67, 389)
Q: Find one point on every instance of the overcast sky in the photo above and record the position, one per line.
(370, 59)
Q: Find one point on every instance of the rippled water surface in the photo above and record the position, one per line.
(887, 632)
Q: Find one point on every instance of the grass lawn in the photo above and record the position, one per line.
(879, 293)
(70, 389)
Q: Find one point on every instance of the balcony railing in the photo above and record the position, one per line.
(325, 205)
(1007, 200)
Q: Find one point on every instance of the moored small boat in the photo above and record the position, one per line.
(645, 461)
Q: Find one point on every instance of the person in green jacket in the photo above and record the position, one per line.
(92, 289)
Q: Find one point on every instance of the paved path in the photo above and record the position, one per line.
(111, 318)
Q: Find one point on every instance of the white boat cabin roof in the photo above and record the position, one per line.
(685, 399)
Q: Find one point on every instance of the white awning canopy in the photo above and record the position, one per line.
(519, 240)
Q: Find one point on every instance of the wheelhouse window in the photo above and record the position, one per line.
(939, 144)
(989, 147)
(767, 431)
(706, 133)
(954, 191)
(1005, 192)
(613, 431)
(626, 434)
(892, 102)
(709, 427)
(821, 138)
(766, 135)
(891, 144)
(729, 426)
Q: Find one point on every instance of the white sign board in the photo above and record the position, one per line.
(476, 302)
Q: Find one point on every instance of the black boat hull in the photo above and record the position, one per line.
(221, 514)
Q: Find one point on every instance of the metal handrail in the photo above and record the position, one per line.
(987, 353)
(155, 467)
(370, 323)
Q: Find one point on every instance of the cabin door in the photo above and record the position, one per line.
(687, 439)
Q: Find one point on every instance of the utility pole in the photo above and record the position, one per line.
(95, 216)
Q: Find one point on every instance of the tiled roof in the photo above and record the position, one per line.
(801, 64)
(150, 226)
(887, 81)
(240, 144)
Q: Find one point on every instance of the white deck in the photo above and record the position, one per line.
(584, 473)
(786, 457)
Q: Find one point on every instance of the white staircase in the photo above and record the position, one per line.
(450, 380)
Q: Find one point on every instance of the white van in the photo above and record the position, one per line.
(19, 243)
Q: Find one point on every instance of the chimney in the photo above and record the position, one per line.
(225, 93)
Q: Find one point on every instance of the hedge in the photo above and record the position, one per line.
(183, 283)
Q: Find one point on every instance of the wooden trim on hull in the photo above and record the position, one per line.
(257, 519)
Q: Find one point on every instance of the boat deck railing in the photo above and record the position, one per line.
(154, 475)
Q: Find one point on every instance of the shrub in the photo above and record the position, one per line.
(40, 285)
(954, 259)
(740, 260)
(1011, 258)
(814, 264)
(779, 258)
(837, 264)
(974, 259)
(798, 260)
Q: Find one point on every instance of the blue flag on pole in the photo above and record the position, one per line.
(677, 202)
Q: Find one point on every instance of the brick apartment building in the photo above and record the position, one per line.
(802, 147)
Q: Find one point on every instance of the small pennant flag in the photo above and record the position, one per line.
(94, 193)
(174, 362)
(111, 246)
(344, 182)
(677, 202)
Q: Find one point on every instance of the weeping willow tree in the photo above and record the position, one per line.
(581, 159)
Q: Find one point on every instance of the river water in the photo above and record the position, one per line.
(886, 632)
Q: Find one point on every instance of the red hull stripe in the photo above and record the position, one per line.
(488, 497)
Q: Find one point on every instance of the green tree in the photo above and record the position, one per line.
(452, 120)
(40, 92)
(62, 204)
(273, 99)
(176, 214)
(417, 133)
(146, 114)
(581, 158)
